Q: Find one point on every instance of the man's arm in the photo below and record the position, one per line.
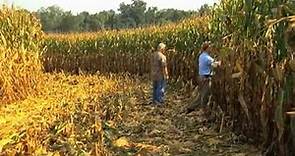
(216, 64)
(166, 72)
(213, 63)
(164, 68)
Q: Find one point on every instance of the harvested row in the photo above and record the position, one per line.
(71, 116)
(110, 115)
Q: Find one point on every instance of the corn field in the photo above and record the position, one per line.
(75, 115)
(20, 54)
(254, 39)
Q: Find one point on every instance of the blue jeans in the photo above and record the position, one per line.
(159, 90)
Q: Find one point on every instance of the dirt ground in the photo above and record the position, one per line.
(112, 115)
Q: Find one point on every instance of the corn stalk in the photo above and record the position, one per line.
(20, 36)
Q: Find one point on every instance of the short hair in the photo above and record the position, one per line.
(161, 46)
(205, 45)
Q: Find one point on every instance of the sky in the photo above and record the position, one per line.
(94, 6)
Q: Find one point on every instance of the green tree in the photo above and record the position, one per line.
(204, 10)
(51, 18)
(132, 15)
(150, 15)
(71, 23)
(85, 24)
(135, 14)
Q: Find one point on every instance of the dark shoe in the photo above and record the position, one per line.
(189, 110)
(192, 108)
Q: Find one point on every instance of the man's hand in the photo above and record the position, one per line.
(219, 63)
(216, 64)
(167, 77)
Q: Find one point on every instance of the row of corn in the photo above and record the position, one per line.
(20, 65)
(256, 84)
(126, 50)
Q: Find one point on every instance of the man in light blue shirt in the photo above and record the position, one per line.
(206, 63)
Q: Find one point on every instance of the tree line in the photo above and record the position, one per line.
(136, 14)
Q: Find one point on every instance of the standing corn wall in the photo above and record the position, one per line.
(255, 85)
(127, 50)
(20, 36)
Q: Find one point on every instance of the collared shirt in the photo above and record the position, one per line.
(205, 61)
(158, 63)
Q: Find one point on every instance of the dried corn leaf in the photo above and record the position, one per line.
(279, 114)
(239, 66)
(244, 106)
(121, 142)
(236, 75)
(292, 65)
(4, 142)
(258, 68)
(278, 73)
(292, 126)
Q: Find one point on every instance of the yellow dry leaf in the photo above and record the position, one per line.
(41, 150)
(236, 75)
(4, 142)
(239, 67)
(148, 147)
(121, 142)
(292, 65)
(213, 141)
